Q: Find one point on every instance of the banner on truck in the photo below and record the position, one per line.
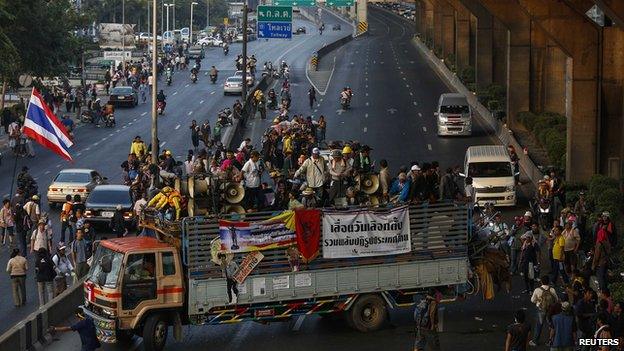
(249, 263)
(275, 232)
(366, 233)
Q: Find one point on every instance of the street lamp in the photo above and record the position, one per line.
(191, 26)
(154, 88)
(207, 14)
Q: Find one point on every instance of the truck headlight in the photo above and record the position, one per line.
(109, 312)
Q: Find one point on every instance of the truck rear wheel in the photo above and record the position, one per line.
(155, 333)
(368, 313)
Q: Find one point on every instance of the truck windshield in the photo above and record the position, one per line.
(105, 268)
(489, 169)
(454, 109)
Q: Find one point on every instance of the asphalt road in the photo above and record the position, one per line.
(392, 110)
(103, 149)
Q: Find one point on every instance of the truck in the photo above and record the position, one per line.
(145, 285)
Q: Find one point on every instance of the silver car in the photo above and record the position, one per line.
(73, 181)
(233, 85)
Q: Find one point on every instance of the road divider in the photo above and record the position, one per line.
(32, 332)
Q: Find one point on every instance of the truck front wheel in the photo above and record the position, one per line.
(368, 313)
(155, 333)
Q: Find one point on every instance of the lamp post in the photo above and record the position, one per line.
(207, 14)
(191, 25)
(154, 88)
(123, 38)
(168, 6)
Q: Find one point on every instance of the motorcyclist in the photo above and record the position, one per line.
(169, 72)
(213, 73)
(198, 63)
(97, 111)
(345, 97)
(109, 111)
(194, 72)
(272, 99)
(226, 48)
(161, 98)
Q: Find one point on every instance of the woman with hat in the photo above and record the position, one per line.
(308, 200)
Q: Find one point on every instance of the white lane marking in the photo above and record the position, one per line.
(58, 166)
(201, 102)
(403, 77)
(367, 103)
(163, 143)
(87, 149)
(365, 129)
(7, 195)
(46, 172)
(321, 100)
(78, 154)
(315, 110)
(104, 139)
(212, 92)
(366, 85)
(134, 120)
(429, 147)
(144, 113)
(415, 103)
(110, 135)
(298, 323)
(407, 85)
(118, 130)
(424, 129)
(366, 79)
(186, 86)
(177, 127)
(411, 94)
(366, 115)
(96, 143)
(175, 93)
(366, 94)
(190, 113)
(129, 123)
(419, 114)
(124, 127)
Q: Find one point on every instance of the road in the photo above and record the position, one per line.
(395, 96)
(105, 149)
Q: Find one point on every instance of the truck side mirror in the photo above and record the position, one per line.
(462, 175)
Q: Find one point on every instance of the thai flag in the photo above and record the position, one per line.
(42, 125)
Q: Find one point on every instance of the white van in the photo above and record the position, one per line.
(454, 116)
(492, 174)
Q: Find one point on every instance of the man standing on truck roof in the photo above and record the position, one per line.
(228, 268)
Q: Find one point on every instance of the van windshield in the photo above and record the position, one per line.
(489, 169)
(454, 109)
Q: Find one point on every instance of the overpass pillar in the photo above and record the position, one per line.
(428, 26)
(612, 147)
(483, 53)
(362, 16)
(448, 29)
(437, 28)
(580, 39)
(518, 55)
(462, 37)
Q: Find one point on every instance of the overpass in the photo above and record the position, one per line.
(549, 56)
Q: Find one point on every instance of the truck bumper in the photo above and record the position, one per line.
(105, 329)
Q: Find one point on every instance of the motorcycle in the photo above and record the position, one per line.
(224, 117)
(87, 116)
(226, 50)
(213, 78)
(169, 80)
(109, 120)
(160, 107)
(193, 77)
(344, 103)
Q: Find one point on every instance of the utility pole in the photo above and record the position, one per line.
(148, 20)
(162, 18)
(123, 37)
(174, 21)
(244, 91)
(155, 141)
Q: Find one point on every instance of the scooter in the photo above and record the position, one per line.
(109, 120)
(226, 50)
(169, 80)
(344, 103)
(213, 78)
(87, 116)
(160, 107)
(193, 77)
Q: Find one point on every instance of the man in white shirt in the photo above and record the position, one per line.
(316, 171)
(244, 144)
(252, 172)
(32, 209)
(543, 297)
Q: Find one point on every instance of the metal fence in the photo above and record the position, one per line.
(437, 231)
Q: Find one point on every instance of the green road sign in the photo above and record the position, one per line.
(274, 13)
(300, 3)
(340, 3)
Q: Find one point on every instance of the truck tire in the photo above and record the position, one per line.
(155, 333)
(368, 313)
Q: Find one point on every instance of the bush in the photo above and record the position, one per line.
(550, 131)
(605, 195)
(617, 291)
(467, 75)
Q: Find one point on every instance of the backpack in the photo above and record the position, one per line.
(133, 174)
(546, 300)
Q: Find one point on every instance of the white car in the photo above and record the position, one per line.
(233, 85)
(251, 80)
(209, 41)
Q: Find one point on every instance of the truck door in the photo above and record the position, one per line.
(139, 286)
(170, 286)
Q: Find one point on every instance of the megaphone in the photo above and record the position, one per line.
(373, 200)
(369, 183)
(233, 209)
(234, 193)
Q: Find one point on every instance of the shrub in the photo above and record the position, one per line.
(617, 291)
(467, 76)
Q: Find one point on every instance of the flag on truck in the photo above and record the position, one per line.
(308, 223)
(42, 126)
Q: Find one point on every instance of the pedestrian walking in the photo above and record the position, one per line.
(426, 318)
(518, 333)
(85, 327)
(195, 131)
(528, 260)
(79, 254)
(63, 268)
(563, 332)
(17, 268)
(23, 226)
(585, 310)
(543, 297)
(44, 270)
(312, 96)
(41, 237)
(118, 223)
(66, 212)
(558, 256)
(7, 222)
(602, 251)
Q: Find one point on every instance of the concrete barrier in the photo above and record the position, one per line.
(32, 332)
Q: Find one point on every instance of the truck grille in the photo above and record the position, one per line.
(494, 189)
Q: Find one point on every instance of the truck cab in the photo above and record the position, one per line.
(133, 287)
